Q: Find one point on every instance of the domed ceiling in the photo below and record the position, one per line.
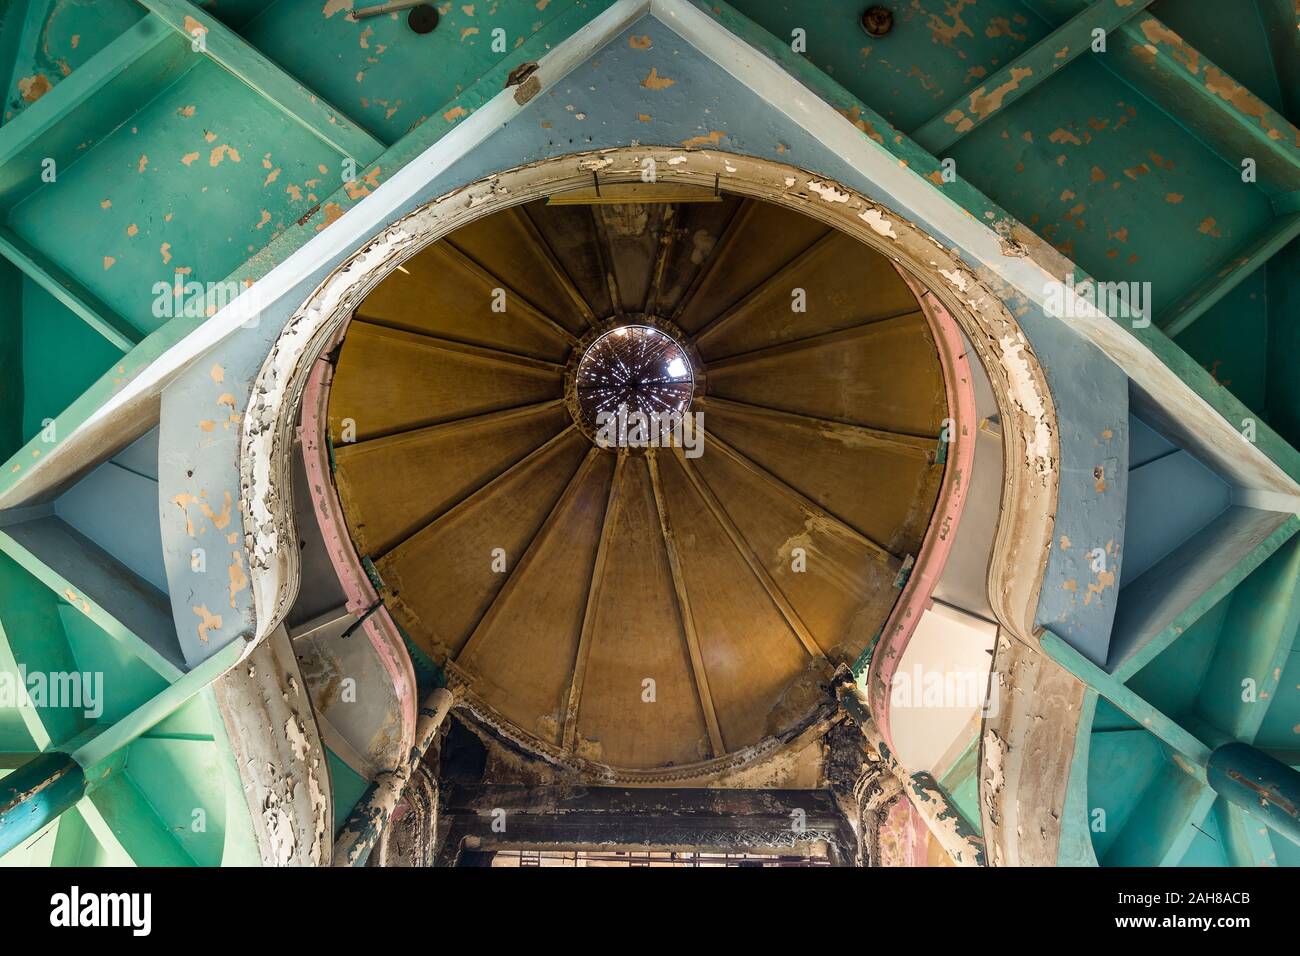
(640, 608)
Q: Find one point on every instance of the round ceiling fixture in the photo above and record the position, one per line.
(636, 368)
(422, 19)
(878, 20)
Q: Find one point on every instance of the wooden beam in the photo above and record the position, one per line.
(730, 235)
(1025, 73)
(605, 254)
(472, 423)
(666, 234)
(834, 337)
(760, 572)
(923, 445)
(483, 353)
(237, 56)
(79, 300)
(689, 632)
(569, 737)
(734, 821)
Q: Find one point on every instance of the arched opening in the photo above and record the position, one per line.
(783, 490)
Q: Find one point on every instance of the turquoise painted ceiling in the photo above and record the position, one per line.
(151, 145)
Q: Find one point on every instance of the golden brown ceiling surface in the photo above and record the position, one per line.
(557, 577)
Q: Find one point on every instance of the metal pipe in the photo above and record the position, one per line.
(383, 8)
(370, 817)
(36, 793)
(1260, 784)
(949, 827)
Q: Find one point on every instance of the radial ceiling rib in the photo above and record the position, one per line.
(391, 487)
(481, 353)
(553, 264)
(455, 427)
(884, 489)
(666, 237)
(570, 734)
(835, 337)
(782, 275)
(806, 639)
(526, 560)
(807, 503)
(443, 293)
(722, 358)
(530, 311)
(885, 375)
(390, 380)
(468, 502)
(689, 633)
(605, 252)
(735, 226)
(439, 582)
(851, 435)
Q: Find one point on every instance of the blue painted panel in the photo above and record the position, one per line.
(1145, 444)
(1169, 500)
(141, 456)
(118, 509)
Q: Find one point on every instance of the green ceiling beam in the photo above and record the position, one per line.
(108, 741)
(1180, 316)
(1226, 116)
(125, 823)
(108, 622)
(1025, 73)
(1147, 715)
(1201, 96)
(31, 718)
(80, 301)
(1148, 651)
(240, 58)
(87, 105)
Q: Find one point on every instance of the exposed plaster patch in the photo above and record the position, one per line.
(709, 139)
(984, 102)
(207, 621)
(654, 81)
(828, 191)
(876, 220)
(238, 579)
